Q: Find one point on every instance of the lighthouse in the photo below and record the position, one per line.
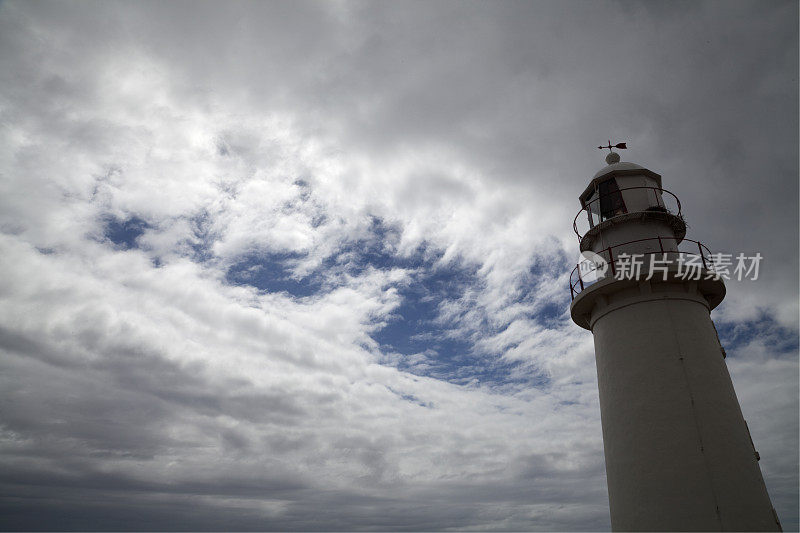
(678, 451)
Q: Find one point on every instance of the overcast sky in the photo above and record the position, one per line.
(298, 266)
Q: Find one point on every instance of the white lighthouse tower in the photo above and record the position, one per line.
(678, 452)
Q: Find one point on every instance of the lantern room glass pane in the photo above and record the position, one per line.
(611, 201)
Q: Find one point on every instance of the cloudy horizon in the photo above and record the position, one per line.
(304, 265)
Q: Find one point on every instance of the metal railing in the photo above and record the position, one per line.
(578, 284)
(595, 217)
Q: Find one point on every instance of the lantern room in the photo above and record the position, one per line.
(621, 192)
(621, 188)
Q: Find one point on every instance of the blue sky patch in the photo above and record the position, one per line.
(430, 348)
(734, 335)
(124, 232)
(272, 272)
(415, 335)
(415, 328)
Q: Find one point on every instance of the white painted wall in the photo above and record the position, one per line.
(678, 453)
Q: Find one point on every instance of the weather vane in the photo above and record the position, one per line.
(621, 146)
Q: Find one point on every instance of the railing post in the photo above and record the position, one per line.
(611, 262)
(702, 256)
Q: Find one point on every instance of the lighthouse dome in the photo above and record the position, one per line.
(622, 165)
